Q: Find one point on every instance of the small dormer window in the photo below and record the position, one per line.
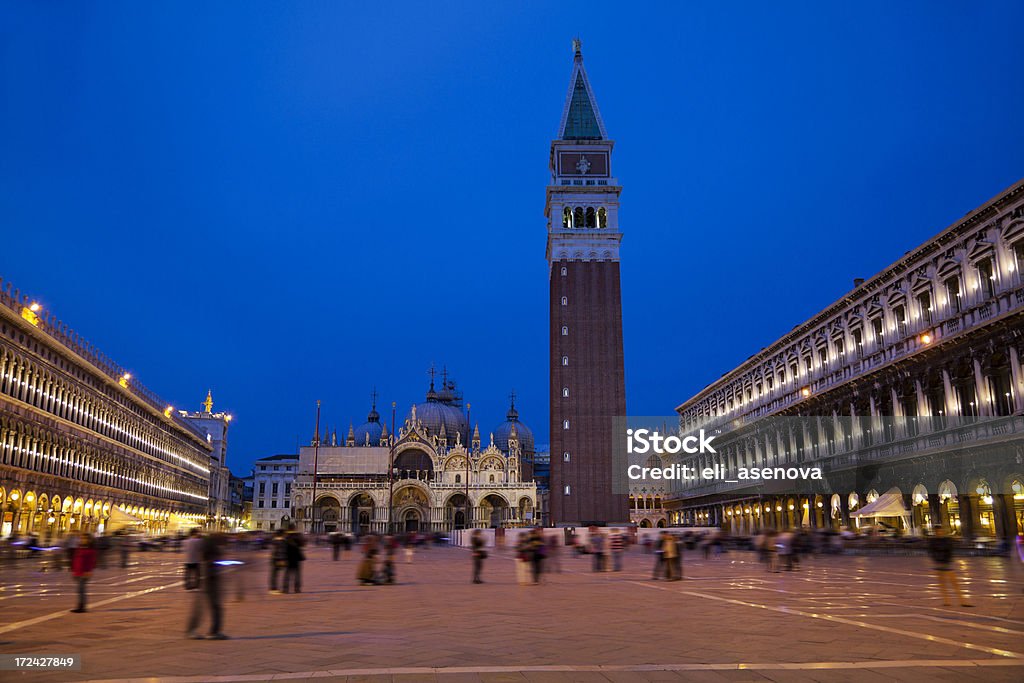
(565, 301)
(565, 271)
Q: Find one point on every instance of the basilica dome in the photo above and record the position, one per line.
(443, 408)
(525, 435)
(372, 428)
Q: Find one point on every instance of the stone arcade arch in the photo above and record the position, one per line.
(456, 510)
(328, 514)
(494, 510)
(360, 507)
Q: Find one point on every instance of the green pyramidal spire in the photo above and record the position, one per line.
(581, 120)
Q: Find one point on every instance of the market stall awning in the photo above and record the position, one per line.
(889, 504)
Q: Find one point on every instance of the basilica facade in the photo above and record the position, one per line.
(424, 475)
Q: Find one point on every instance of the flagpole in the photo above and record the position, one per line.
(316, 462)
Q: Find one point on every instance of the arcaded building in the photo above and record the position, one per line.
(83, 442)
(910, 384)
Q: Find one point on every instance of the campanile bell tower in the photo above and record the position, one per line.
(587, 370)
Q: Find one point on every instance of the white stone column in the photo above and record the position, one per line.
(1016, 380)
(947, 385)
(984, 396)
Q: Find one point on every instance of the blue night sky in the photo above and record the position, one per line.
(290, 201)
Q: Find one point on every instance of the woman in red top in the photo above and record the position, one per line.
(83, 561)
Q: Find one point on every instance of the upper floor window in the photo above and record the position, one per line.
(877, 331)
(565, 271)
(986, 278)
(591, 217)
(565, 331)
(565, 392)
(578, 221)
(953, 293)
(602, 218)
(1018, 255)
(567, 489)
(565, 301)
(565, 456)
(565, 424)
(924, 302)
(567, 217)
(565, 360)
(899, 312)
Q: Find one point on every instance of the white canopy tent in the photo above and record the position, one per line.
(178, 523)
(889, 504)
(119, 519)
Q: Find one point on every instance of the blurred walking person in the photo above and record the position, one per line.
(597, 549)
(670, 555)
(940, 549)
(537, 553)
(210, 597)
(124, 545)
(336, 542)
(70, 544)
(659, 557)
(410, 547)
(83, 561)
(390, 546)
(294, 557)
(554, 558)
(784, 549)
(278, 559)
(367, 572)
(477, 545)
(522, 558)
(193, 555)
(617, 545)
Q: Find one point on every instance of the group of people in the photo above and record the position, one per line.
(779, 550)
(603, 546)
(286, 557)
(535, 553)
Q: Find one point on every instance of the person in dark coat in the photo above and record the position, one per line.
(211, 592)
(367, 572)
(83, 561)
(477, 544)
(294, 557)
(940, 550)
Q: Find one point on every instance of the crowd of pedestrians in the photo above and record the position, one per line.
(535, 552)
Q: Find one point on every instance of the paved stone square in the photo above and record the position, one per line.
(836, 619)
